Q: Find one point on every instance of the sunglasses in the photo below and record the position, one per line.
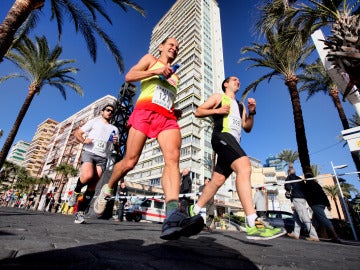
(109, 110)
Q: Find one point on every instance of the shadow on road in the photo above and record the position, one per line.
(133, 254)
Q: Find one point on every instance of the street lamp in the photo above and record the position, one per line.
(343, 199)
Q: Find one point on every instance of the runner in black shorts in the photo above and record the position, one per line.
(230, 118)
(228, 150)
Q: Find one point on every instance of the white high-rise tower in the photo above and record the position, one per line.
(196, 25)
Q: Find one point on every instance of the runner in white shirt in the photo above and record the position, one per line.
(98, 137)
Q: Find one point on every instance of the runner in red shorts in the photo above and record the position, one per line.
(154, 116)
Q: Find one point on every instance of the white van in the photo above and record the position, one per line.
(150, 209)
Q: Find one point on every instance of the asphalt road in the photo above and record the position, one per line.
(37, 240)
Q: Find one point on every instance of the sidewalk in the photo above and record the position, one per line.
(37, 240)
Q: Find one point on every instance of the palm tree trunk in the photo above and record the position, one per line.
(334, 93)
(16, 16)
(40, 195)
(60, 190)
(11, 137)
(337, 208)
(301, 140)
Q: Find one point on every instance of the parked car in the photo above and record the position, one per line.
(133, 212)
(150, 209)
(281, 219)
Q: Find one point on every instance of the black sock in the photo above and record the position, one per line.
(79, 186)
(84, 203)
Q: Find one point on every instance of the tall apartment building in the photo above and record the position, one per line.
(17, 152)
(196, 25)
(34, 158)
(63, 147)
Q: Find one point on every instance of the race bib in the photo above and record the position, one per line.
(163, 97)
(99, 146)
(235, 123)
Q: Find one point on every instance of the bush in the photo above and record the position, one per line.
(236, 219)
(343, 229)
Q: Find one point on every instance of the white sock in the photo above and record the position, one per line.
(251, 219)
(197, 209)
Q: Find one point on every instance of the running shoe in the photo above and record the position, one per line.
(80, 217)
(180, 224)
(188, 209)
(101, 200)
(263, 230)
(255, 233)
(262, 222)
(73, 198)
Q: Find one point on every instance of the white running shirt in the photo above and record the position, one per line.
(99, 132)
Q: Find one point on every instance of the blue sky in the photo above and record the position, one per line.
(273, 130)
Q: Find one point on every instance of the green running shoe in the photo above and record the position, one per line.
(255, 233)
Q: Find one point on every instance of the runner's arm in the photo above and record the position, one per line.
(141, 69)
(209, 107)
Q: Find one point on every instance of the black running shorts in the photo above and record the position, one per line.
(228, 150)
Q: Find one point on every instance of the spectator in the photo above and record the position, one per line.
(51, 204)
(260, 202)
(318, 201)
(48, 197)
(186, 182)
(31, 199)
(301, 214)
(123, 193)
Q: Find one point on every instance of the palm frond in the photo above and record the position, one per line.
(11, 76)
(124, 3)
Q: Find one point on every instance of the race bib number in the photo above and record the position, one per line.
(235, 123)
(100, 146)
(163, 97)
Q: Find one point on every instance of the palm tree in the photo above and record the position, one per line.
(65, 170)
(297, 23)
(289, 156)
(8, 169)
(284, 64)
(12, 171)
(315, 170)
(333, 192)
(315, 80)
(343, 44)
(23, 181)
(343, 18)
(40, 66)
(84, 15)
(43, 182)
(347, 189)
